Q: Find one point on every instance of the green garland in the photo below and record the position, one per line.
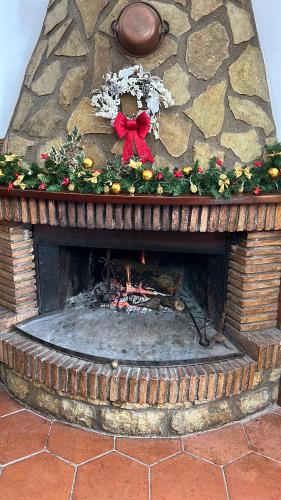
(67, 169)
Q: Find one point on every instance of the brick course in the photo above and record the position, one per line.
(18, 291)
(254, 281)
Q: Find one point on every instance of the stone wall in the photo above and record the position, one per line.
(211, 61)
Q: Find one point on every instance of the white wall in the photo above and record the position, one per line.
(268, 17)
(21, 22)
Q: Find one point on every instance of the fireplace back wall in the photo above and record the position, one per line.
(66, 261)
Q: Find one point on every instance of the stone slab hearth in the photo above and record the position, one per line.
(145, 338)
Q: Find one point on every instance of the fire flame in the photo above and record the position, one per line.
(142, 257)
(130, 288)
(128, 271)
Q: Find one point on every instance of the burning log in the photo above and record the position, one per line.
(149, 277)
(153, 303)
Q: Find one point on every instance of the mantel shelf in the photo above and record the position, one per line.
(189, 213)
(126, 199)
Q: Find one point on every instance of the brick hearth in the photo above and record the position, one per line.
(100, 382)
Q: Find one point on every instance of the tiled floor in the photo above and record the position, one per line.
(44, 459)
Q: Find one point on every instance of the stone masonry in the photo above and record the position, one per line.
(211, 62)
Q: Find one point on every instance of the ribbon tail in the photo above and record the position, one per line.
(128, 151)
(142, 149)
(120, 125)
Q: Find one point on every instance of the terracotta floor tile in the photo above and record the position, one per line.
(21, 434)
(116, 477)
(264, 434)
(42, 477)
(148, 451)
(77, 445)
(254, 478)
(219, 446)
(7, 404)
(186, 478)
(112, 477)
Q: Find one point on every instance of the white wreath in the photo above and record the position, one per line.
(137, 82)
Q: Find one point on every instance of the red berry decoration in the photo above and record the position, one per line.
(178, 173)
(159, 176)
(65, 181)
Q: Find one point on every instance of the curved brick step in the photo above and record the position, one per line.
(135, 401)
(99, 382)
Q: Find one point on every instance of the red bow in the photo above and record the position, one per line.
(134, 132)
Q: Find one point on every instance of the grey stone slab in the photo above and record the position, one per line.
(144, 337)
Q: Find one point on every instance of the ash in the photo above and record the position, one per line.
(135, 303)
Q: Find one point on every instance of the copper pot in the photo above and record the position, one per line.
(139, 29)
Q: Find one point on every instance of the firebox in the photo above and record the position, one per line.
(132, 297)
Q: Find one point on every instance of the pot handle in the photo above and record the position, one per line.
(114, 26)
(165, 27)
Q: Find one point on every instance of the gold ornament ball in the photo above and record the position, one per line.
(88, 162)
(273, 172)
(106, 189)
(147, 175)
(187, 170)
(114, 364)
(132, 190)
(71, 187)
(116, 188)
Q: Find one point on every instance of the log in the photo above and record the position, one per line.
(156, 302)
(153, 303)
(161, 279)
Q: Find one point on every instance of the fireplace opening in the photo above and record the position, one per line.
(140, 303)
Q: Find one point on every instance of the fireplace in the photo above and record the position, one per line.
(226, 255)
(132, 298)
